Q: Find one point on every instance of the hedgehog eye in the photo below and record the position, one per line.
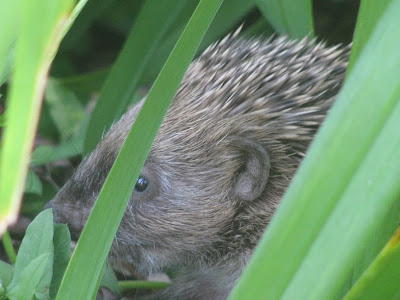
(141, 184)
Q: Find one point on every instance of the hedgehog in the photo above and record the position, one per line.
(228, 147)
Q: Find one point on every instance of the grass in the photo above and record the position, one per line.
(352, 165)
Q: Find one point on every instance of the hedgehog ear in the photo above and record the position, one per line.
(253, 174)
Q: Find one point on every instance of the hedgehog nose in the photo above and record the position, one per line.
(73, 216)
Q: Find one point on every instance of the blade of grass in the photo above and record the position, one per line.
(341, 144)
(368, 198)
(368, 15)
(139, 284)
(8, 247)
(381, 279)
(229, 15)
(35, 49)
(293, 18)
(80, 279)
(153, 21)
(9, 24)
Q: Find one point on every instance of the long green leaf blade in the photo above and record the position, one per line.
(80, 280)
(293, 18)
(342, 143)
(381, 279)
(9, 24)
(153, 21)
(368, 16)
(35, 49)
(368, 198)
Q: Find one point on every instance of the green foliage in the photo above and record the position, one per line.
(33, 184)
(369, 14)
(381, 279)
(154, 19)
(35, 48)
(293, 18)
(9, 24)
(352, 165)
(41, 262)
(6, 274)
(61, 243)
(33, 268)
(64, 108)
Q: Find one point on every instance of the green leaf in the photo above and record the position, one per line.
(381, 279)
(38, 241)
(8, 247)
(33, 204)
(6, 273)
(227, 17)
(293, 18)
(35, 48)
(29, 280)
(109, 280)
(85, 84)
(368, 16)
(47, 154)
(153, 21)
(344, 187)
(9, 24)
(80, 279)
(33, 184)
(62, 249)
(141, 284)
(65, 109)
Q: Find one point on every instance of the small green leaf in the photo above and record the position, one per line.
(62, 249)
(38, 240)
(33, 184)
(109, 280)
(30, 278)
(47, 154)
(65, 109)
(6, 273)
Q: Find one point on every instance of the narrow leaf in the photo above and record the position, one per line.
(9, 24)
(153, 21)
(293, 18)
(368, 16)
(381, 279)
(35, 49)
(62, 249)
